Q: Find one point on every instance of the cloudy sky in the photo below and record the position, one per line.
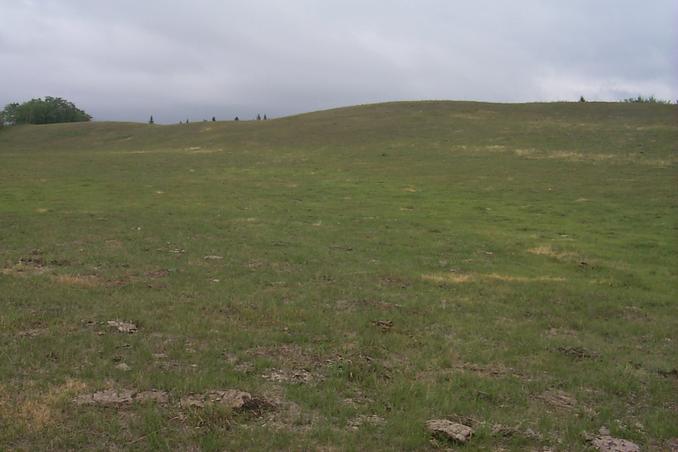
(128, 59)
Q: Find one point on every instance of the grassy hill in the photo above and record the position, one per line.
(356, 271)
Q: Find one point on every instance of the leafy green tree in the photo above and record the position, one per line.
(43, 111)
(8, 115)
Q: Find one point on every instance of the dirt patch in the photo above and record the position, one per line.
(394, 281)
(561, 332)
(351, 305)
(508, 432)
(481, 370)
(288, 355)
(577, 352)
(121, 397)
(287, 416)
(33, 332)
(558, 399)
(489, 370)
(157, 274)
(29, 265)
(673, 373)
(357, 422)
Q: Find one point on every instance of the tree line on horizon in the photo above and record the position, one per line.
(51, 110)
(259, 118)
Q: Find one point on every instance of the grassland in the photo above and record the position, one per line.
(357, 271)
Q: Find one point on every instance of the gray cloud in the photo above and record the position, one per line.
(125, 60)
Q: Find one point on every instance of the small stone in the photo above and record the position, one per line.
(213, 258)
(449, 430)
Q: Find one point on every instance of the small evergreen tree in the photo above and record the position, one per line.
(150, 121)
(213, 119)
(258, 117)
(581, 99)
(265, 118)
(237, 119)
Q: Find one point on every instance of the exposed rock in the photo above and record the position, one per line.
(213, 258)
(449, 430)
(123, 366)
(123, 327)
(109, 397)
(289, 376)
(116, 398)
(152, 396)
(232, 398)
(31, 333)
(385, 325)
(162, 273)
(606, 443)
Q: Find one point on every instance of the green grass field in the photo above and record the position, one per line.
(357, 271)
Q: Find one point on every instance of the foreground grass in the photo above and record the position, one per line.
(495, 264)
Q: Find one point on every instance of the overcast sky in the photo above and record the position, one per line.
(128, 59)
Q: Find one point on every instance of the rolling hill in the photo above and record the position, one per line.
(336, 279)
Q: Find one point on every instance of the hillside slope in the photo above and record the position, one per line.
(356, 271)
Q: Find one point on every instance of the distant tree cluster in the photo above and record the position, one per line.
(645, 100)
(214, 119)
(42, 111)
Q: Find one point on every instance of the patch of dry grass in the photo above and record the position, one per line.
(460, 278)
(547, 250)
